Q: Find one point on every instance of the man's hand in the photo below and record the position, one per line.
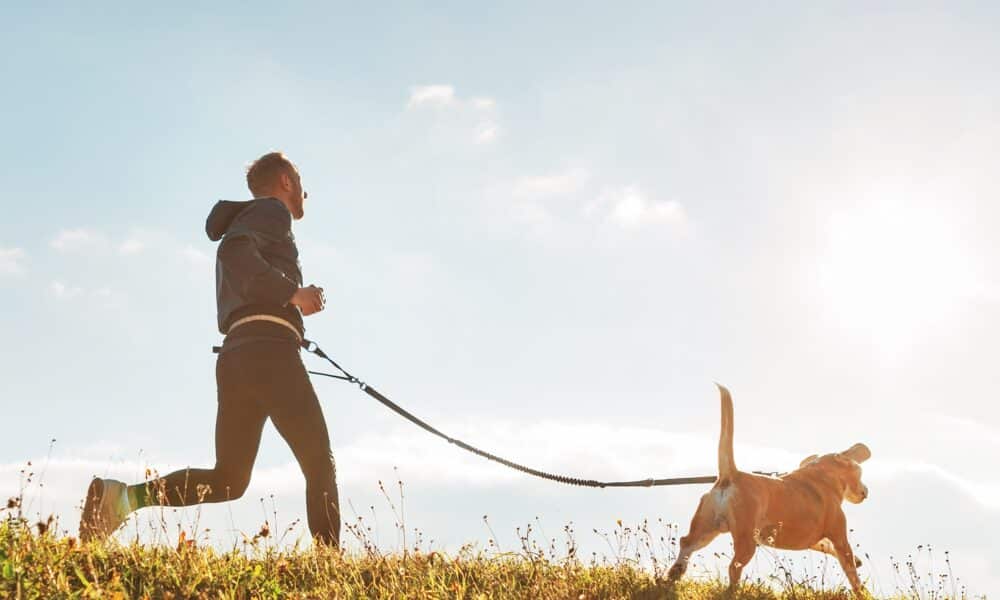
(309, 299)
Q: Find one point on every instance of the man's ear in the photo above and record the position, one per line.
(859, 453)
(807, 460)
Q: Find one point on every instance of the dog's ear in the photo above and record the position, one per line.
(859, 453)
(808, 459)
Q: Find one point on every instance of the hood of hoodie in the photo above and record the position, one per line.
(222, 216)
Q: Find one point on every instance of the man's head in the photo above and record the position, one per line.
(275, 176)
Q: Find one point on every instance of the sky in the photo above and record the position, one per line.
(547, 229)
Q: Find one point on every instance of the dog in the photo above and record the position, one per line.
(800, 510)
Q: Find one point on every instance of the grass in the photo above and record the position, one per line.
(37, 562)
(34, 565)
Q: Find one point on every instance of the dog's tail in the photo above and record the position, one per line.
(727, 464)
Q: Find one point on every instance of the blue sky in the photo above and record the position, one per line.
(548, 229)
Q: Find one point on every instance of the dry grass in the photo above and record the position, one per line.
(36, 562)
(36, 565)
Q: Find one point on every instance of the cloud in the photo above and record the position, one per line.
(103, 296)
(611, 453)
(557, 184)
(11, 261)
(622, 453)
(554, 206)
(475, 114)
(629, 208)
(432, 96)
(131, 246)
(70, 240)
(195, 256)
(487, 133)
(961, 429)
(983, 492)
(483, 103)
(442, 483)
(138, 240)
(443, 96)
(59, 289)
(107, 297)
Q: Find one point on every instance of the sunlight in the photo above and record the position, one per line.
(892, 268)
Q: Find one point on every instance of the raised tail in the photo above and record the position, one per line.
(727, 464)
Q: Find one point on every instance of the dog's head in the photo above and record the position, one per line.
(845, 467)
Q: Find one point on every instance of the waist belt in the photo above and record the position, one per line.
(271, 318)
(230, 343)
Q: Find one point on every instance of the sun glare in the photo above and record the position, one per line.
(892, 270)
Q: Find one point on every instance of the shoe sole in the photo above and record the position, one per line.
(91, 507)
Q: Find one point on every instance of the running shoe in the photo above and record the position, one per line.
(104, 510)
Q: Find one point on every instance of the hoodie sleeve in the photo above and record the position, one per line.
(240, 255)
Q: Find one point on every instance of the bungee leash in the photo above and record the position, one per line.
(312, 347)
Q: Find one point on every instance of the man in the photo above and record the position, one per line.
(259, 371)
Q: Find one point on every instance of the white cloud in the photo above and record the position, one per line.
(611, 453)
(629, 208)
(432, 96)
(557, 184)
(483, 103)
(443, 96)
(487, 133)
(138, 240)
(108, 297)
(195, 256)
(961, 429)
(11, 261)
(131, 246)
(553, 203)
(984, 493)
(103, 296)
(61, 290)
(623, 453)
(473, 117)
(535, 215)
(437, 473)
(69, 240)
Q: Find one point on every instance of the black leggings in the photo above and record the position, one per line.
(255, 381)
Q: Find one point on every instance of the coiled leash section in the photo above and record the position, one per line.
(312, 347)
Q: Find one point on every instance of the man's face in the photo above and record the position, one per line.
(298, 196)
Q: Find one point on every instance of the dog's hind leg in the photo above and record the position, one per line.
(744, 547)
(701, 533)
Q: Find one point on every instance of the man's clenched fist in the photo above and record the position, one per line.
(309, 299)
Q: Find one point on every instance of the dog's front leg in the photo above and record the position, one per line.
(847, 561)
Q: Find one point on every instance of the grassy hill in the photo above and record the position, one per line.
(36, 563)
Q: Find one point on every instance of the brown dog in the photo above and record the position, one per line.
(797, 511)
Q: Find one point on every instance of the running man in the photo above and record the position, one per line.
(259, 372)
